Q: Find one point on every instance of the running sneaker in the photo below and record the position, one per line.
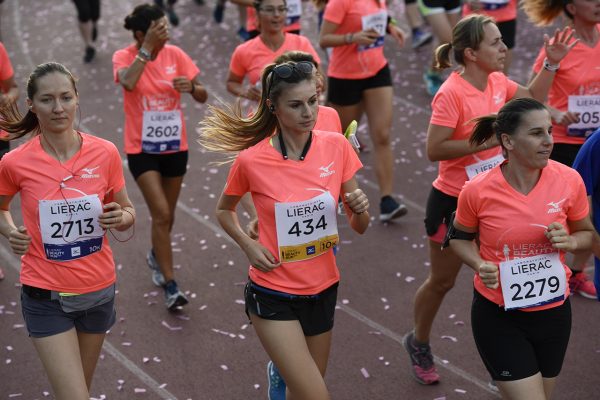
(580, 283)
(173, 18)
(421, 361)
(492, 385)
(157, 277)
(433, 81)
(90, 52)
(390, 209)
(420, 38)
(219, 12)
(174, 297)
(276, 383)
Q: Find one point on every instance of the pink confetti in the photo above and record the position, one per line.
(171, 328)
(459, 323)
(224, 367)
(145, 359)
(126, 344)
(364, 372)
(256, 386)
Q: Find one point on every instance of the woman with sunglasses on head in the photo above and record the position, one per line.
(72, 190)
(154, 75)
(574, 98)
(526, 213)
(250, 58)
(478, 88)
(295, 176)
(360, 81)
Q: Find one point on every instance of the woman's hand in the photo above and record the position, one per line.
(564, 118)
(398, 34)
(157, 34)
(252, 93)
(560, 47)
(182, 84)
(488, 272)
(112, 217)
(560, 238)
(260, 257)
(19, 240)
(365, 38)
(357, 201)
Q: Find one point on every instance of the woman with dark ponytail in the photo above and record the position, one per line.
(154, 74)
(574, 97)
(477, 88)
(526, 214)
(72, 190)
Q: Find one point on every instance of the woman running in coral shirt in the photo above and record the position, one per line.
(526, 213)
(72, 190)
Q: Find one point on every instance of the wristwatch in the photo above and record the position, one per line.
(550, 67)
(145, 54)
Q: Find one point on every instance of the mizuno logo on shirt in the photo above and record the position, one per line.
(171, 69)
(555, 206)
(89, 173)
(498, 98)
(326, 172)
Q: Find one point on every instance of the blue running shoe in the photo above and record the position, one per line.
(173, 296)
(276, 383)
(157, 277)
(420, 38)
(433, 81)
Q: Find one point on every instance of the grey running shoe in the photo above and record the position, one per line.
(157, 277)
(174, 297)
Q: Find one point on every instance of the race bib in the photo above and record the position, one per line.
(492, 5)
(294, 11)
(70, 228)
(306, 229)
(378, 22)
(588, 108)
(532, 281)
(161, 131)
(483, 165)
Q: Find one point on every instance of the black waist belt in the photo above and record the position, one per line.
(37, 293)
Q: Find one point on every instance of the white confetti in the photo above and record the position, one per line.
(345, 301)
(162, 386)
(461, 391)
(171, 328)
(452, 316)
(450, 338)
(364, 372)
(256, 386)
(145, 359)
(10, 396)
(409, 279)
(9, 348)
(139, 390)
(224, 367)
(126, 344)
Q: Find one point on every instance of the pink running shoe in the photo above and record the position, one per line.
(421, 360)
(580, 283)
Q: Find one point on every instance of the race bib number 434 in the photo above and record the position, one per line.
(306, 229)
(70, 228)
(532, 281)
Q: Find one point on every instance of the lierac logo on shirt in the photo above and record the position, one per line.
(88, 173)
(326, 170)
(555, 206)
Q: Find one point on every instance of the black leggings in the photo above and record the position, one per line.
(87, 10)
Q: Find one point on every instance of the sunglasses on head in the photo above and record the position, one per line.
(286, 70)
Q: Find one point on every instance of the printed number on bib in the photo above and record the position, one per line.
(306, 229)
(491, 5)
(377, 22)
(294, 12)
(483, 165)
(70, 229)
(532, 281)
(588, 108)
(161, 131)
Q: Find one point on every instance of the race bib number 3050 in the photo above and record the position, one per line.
(306, 229)
(161, 131)
(532, 281)
(70, 229)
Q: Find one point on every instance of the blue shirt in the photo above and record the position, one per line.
(587, 163)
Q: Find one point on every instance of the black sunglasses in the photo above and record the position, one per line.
(284, 71)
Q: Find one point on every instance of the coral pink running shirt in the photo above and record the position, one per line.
(73, 255)
(354, 61)
(512, 225)
(455, 104)
(6, 69)
(154, 121)
(328, 120)
(249, 59)
(273, 181)
(500, 10)
(576, 87)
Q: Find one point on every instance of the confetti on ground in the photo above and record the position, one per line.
(224, 367)
(139, 390)
(126, 344)
(162, 386)
(461, 391)
(460, 323)
(256, 386)
(10, 396)
(203, 307)
(409, 279)
(364, 372)
(450, 338)
(345, 301)
(171, 328)
(452, 316)
(440, 398)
